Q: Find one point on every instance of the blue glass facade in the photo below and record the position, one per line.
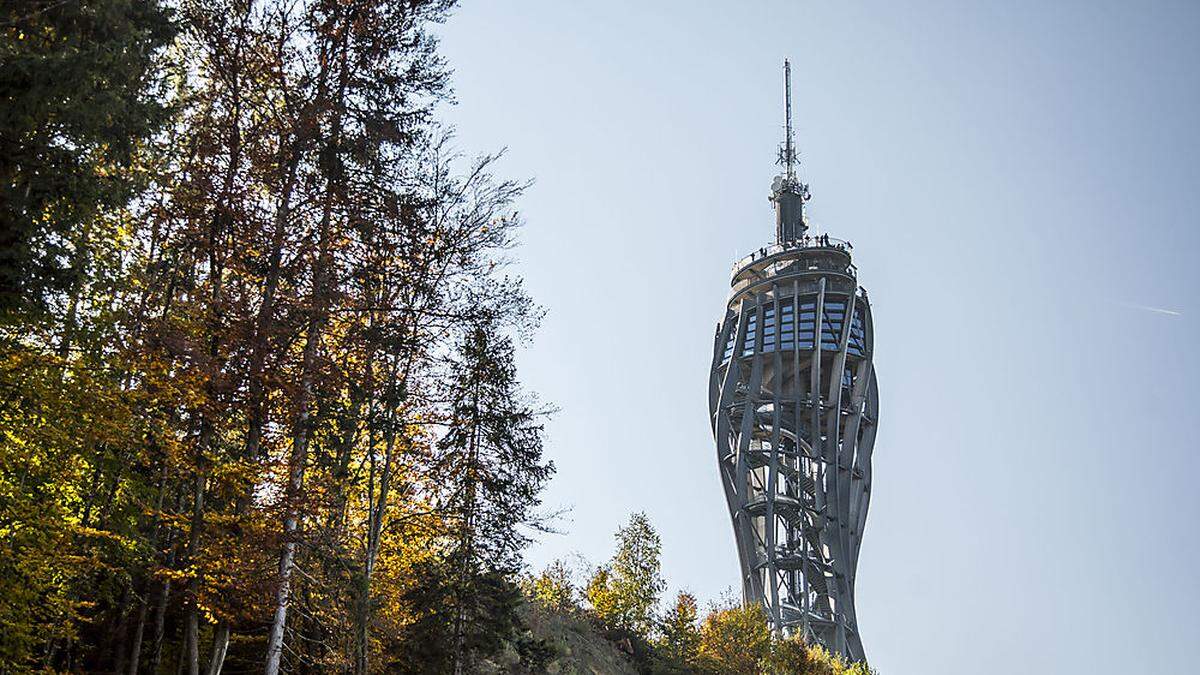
(785, 333)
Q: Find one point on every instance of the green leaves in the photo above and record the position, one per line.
(624, 594)
(78, 97)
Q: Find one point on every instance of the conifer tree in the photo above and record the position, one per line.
(493, 468)
(625, 593)
(78, 97)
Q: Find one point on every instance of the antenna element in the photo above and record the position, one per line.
(788, 193)
(788, 156)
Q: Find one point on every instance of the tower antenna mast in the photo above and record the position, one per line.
(789, 148)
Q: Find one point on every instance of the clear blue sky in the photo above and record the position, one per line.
(1022, 185)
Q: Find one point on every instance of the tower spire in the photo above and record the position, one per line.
(788, 193)
(788, 158)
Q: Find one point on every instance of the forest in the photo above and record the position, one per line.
(259, 404)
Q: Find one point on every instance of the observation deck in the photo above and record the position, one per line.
(809, 257)
(760, 260)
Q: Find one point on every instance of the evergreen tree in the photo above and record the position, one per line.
(624, 594)
(493, 470)
(78, 98)
(461, 619)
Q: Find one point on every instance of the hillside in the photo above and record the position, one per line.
(577, 642)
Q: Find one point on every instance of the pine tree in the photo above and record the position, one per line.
(493, 468)
(624, 594)
(78, 97)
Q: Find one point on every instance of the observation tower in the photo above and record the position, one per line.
(794, 405)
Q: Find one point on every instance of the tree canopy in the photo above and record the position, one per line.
(257, 387)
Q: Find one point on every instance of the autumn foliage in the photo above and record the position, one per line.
(618, 602)
(258, 408)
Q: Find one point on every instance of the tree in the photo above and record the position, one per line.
(735, 640)
(678, 643)
(493, 468)
(552, 588)
(624, 594)
(78, 99)
(791, 655)
(290, 351)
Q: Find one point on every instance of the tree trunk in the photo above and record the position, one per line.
(135, 650)
(374, 535)
(192, 618)
(301, 431)
(160, 616)
(466, 541)
(121, 635)
(219, 647)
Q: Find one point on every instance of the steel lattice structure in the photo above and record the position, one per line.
(794, 402)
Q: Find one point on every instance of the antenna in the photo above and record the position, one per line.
(788, 193)
(788, 156)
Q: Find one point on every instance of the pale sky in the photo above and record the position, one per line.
(1021, 182)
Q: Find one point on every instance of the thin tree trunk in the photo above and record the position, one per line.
(121, 635)
(160, 615)
(192, 618)
(282, 597)
(467, 540)
(296, 466)
(219, 647)
(257, 418)
(135, 650)
(374, 535)
(302, 431)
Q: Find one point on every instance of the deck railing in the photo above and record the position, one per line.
(818, 242)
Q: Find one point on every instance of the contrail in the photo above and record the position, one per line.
(1156, 310)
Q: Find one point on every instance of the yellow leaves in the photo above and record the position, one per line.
(93, 533)
(177, 576)
(735, 640)
(235, 472)
(552, 588)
